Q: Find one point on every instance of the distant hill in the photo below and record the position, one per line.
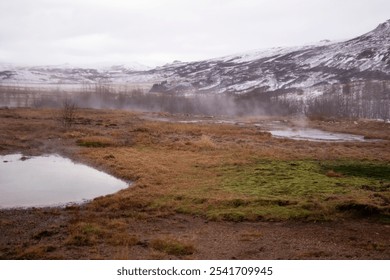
(341, 79)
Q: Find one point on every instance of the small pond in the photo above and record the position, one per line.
(51, 181)
(314, 135)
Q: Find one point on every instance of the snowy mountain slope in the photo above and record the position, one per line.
(366, 57)
(68, 74)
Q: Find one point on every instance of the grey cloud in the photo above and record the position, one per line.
(155, 32)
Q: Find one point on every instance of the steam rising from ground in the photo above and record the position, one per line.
(360, 100)
(105, 97)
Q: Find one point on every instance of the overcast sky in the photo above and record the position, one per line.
(154, 32)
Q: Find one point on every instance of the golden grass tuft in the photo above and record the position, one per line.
(36, 252)
(123, 253)
(96, 142)
(172, 246)
(251, 235)
(84, 234)
(205, 142)
(333, 174)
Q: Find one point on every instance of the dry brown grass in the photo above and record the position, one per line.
(37, 252)
(332, 173)
(96, 142)
(123, 253)
(205, 142)
(85, 234)
(175, 168)
(172, 246)
(251, 235)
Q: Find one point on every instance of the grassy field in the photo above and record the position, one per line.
(218, 173)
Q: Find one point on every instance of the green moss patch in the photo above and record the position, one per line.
(303, 189)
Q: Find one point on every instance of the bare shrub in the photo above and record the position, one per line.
(68, 113)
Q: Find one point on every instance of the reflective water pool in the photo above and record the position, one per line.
(51, 181)
(314, 135)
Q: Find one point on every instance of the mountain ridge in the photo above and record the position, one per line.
(363, 57)
(366, 57)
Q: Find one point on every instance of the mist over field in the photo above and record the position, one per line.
(355, 100)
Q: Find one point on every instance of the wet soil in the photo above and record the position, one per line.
(38, 233)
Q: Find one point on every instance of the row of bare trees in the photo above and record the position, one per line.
(368, 99)
(354, 100)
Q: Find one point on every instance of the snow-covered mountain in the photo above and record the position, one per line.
(366, 57)
(69, 74)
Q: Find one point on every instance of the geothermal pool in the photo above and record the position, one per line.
(51, 180)
(314, 135)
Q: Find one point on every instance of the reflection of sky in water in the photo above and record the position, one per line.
(51, 180)
(315, 135)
